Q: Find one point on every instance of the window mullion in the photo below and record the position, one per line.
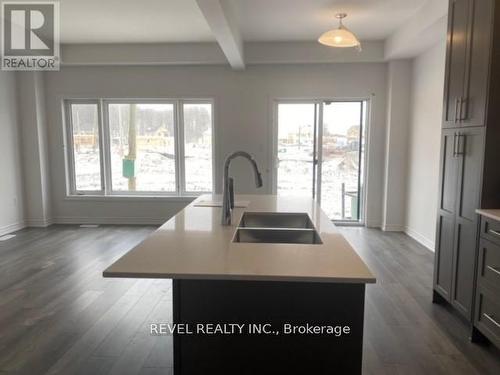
(70, 148)
(180, 170)
(106, 142)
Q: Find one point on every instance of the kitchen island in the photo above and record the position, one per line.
(299, 301)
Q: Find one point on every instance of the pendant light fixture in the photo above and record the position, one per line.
(341, 36)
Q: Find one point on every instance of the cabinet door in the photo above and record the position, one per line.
(445, 233)
(455, 61)
(470, 149)
(472, 108)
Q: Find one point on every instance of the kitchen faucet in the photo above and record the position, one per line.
(228, 184)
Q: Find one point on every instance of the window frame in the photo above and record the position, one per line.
(366, 134)
(182, 164)
(105, 148)
(107, 137)
(70, 149)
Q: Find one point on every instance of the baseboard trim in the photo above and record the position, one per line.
(14, 227)
(423, 240)
(373, 224)
(39, 223)
(109, 220)
(393, 228)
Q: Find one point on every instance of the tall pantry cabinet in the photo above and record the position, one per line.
(470, 146)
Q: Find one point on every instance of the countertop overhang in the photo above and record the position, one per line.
(492, 213)
(194, 245)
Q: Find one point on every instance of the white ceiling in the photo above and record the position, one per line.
(288, 20)
(132, 21)
(149, 21)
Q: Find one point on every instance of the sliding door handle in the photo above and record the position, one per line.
(457, 100)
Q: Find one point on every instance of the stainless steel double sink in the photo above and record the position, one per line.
(276, 227)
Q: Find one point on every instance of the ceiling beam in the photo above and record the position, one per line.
(221, 21)
(142, 54)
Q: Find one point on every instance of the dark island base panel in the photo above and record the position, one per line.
(260, 302)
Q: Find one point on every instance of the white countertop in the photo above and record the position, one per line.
(490, 213)
(194, 245)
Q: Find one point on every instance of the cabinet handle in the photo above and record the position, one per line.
(455, 145)
(491, 319)
(460, 145)
(463, 114)
(457, 100)
(493, 269)
(496, 233)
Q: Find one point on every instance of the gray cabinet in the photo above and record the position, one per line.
(469, 168)
(467, 62)
(461, 159)
(456, 53)
(446, 214)
(487, 301)
(469, 152)
(479, 39)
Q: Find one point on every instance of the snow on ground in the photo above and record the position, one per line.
(155, 172)
(295, 176)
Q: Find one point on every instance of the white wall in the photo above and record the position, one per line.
(424, 144)
(396, 145)
(243, 116)
(35, 148)
(419, 33)
(11, 189)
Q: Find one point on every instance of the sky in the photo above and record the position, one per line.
(338, 116)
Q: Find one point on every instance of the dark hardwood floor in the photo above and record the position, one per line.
(59, 316)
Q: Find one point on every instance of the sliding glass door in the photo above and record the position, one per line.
(320, 154)
(295, 148)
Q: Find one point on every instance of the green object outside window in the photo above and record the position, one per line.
(128, 169)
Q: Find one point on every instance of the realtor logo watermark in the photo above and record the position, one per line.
(30, 35)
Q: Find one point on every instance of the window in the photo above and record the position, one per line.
(198, 146)
(143, 147)
(85, 147)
